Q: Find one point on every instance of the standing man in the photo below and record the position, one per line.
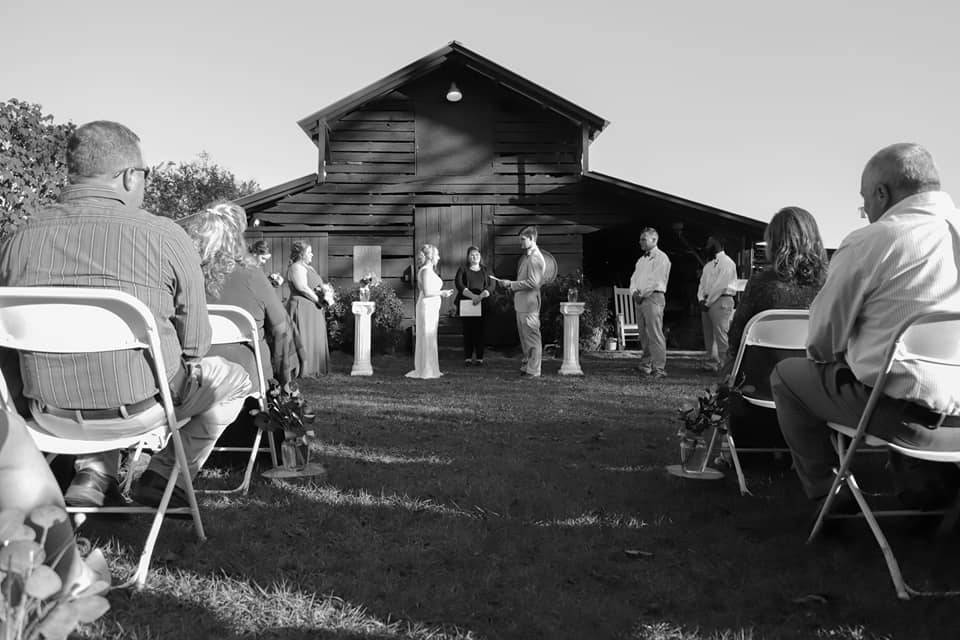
(648, 286)
(526, 301)
(906, 261)
(97, 236)
(715, 294)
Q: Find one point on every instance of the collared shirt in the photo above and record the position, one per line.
(92, 238)
(651, 273)
(717, 279)
(906, 262)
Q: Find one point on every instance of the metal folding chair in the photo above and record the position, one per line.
(233, 325)
(36, 319)
(931, 340)
(780, 333)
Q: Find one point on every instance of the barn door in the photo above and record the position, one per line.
(452, 230)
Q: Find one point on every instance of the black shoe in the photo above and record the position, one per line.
(467, 363)
(91, 488)
(148, 491)
(844, 504)
(478, 363)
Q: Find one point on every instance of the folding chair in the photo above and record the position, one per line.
(36, 318)
(770, 336)
(931, 340)
(233, 325)
(627, 326)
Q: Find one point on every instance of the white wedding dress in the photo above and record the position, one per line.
(425, 360)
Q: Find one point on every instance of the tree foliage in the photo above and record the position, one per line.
(32, 161)
(178, 190)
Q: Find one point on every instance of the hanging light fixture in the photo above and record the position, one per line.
(453, 93)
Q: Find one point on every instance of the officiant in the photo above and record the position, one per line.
(473, 288)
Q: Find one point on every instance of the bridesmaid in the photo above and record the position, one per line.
(425, 360)
(306, 312)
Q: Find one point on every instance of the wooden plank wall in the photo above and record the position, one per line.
(538, 152)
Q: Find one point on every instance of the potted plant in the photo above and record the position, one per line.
(287, 413)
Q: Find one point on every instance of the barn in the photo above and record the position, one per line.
(456, 150)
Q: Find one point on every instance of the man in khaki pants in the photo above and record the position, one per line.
(715, 294)
(526, 301)
(648, 286)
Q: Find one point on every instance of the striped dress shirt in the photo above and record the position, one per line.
(906, 262)
(94, 238)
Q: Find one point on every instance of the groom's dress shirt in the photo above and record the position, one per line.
(651, 273)
(718, 278)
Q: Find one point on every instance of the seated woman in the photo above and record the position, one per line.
(795, 272)
(796, 269)
(232, 276)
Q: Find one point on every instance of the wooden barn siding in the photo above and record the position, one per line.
(371, 190)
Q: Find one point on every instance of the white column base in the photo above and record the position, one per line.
(571, 338)
(362, 311)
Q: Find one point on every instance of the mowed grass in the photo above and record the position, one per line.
(482, 505)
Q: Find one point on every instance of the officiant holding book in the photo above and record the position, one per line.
(473, 287)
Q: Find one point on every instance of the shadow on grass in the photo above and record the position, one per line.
(549, 517)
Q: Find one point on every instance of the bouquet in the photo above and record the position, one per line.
(326, 295)
(275, 279)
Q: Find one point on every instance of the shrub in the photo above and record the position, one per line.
(386, 318)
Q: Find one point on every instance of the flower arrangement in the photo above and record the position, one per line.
(275, 279)
(711, 410)
(370, 279)
(288, 412)
(33, 602)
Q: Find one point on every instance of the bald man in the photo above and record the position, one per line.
(906, 261)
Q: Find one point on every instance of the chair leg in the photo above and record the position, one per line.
(128, 481)
(188, 484)
(845, 454)
(736, 465)
(892, 566)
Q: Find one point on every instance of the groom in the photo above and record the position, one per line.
(526, 301)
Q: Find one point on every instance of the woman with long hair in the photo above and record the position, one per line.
(232, 276)
(796, 269)
(307, 311)
(473, 287)
(426, 360)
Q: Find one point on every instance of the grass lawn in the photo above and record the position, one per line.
(482, 505)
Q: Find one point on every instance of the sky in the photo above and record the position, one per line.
(744, 105)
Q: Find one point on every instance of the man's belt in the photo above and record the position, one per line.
(927, 417)
(123, 411)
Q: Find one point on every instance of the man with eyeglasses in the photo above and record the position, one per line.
(906, 261)
(97, 236)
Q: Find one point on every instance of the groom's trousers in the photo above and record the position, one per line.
(528, 326)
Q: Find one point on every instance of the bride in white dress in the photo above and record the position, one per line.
(425, 360)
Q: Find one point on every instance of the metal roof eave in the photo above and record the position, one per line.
(661, 195)
(275, 193)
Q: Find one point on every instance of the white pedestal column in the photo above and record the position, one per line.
(571, 338)
(361, 338)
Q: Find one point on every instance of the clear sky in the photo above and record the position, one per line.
(744, 105)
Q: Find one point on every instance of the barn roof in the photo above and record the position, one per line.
(470, 60)
(632, 189)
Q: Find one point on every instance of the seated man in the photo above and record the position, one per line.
(906, 261)
(97, 236)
